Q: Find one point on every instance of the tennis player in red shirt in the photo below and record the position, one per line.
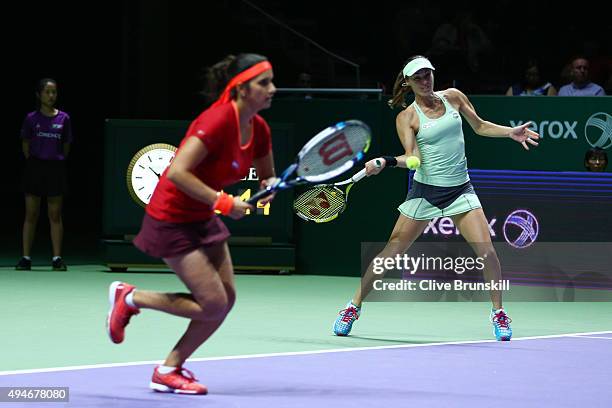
(181, 224)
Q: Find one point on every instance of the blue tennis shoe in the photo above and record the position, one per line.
(501, 325)
(345, 320)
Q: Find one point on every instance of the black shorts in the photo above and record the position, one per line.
(44, 177)
(440, 197)
(425, 202)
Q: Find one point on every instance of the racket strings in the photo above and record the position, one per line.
(320, 203)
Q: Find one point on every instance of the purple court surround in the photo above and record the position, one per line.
(566, 371)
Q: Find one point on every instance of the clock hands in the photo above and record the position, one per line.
(154, 172)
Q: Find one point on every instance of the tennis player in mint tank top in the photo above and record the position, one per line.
(430, 130)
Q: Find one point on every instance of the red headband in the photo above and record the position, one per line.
(244, 76)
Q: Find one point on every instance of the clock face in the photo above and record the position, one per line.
(145, 169)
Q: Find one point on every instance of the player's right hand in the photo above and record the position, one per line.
(240, 208)
(375, 166)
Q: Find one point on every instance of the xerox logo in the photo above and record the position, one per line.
(554, 129)
(445, 226)
(521, 229)
(598, 130)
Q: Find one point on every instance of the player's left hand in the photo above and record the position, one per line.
(523, 135)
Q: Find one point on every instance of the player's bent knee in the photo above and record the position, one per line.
(214, 310)
(489, 254)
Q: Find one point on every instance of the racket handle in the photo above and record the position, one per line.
(259, 195)
(358, 176)
(362, 173)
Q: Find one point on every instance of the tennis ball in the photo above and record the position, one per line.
(413, 162)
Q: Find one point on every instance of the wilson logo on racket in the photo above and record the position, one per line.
(335, 149)
(330, 153)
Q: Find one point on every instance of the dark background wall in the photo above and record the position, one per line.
(142, 59)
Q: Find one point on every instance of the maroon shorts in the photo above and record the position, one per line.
(161, 239)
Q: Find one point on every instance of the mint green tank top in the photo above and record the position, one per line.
(442, 147)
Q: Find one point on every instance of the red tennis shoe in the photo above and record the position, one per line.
(179, 381)
(120, 312)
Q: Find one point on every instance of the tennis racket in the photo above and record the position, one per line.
(330, 153)
(325, 202)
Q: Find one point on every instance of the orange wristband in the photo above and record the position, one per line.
(224, 203)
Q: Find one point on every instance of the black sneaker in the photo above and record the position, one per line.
(59, 265)
(24, 265)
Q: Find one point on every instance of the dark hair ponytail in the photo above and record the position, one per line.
(217, 76)
(400, 89)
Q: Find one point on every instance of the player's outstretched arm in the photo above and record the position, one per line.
(482, 127)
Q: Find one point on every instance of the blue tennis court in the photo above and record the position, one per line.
(563, 371)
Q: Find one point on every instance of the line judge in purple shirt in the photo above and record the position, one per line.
(46, 135)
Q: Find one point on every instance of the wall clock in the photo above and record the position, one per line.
(145, 169)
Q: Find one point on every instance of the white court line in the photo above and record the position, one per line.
(298, 353)
(592, 337)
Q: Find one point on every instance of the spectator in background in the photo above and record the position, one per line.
(596, 159)
(581, 84)
(532, 84)
(46, 135)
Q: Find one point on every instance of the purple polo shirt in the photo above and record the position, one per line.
(47, 135)
(589, 89)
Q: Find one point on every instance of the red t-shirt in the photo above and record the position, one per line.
(226, 163)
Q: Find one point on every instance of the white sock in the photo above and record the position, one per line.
(55, 258)
(352, 304)
(129, 299)
(162, 369)
(27, 257)
(497, 311)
